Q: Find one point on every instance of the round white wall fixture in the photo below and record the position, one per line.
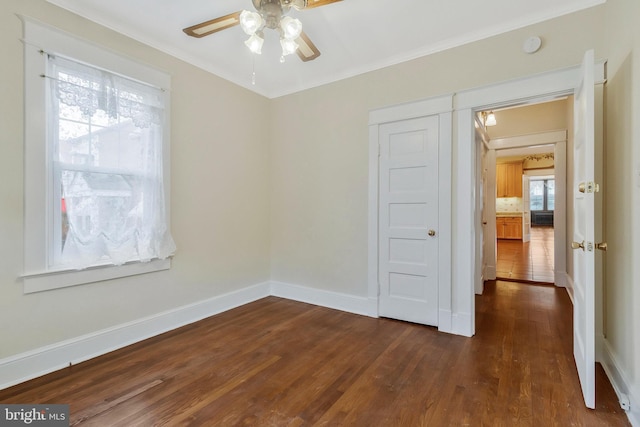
(532, 44)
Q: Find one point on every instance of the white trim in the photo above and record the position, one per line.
(621, 382)
(445, 175)
(411, 110)
(40, 35)
(549, 85)
(336, 300)
(373, 287)
(32, 364)
(542, 138)
(544, 86)
(464, 246)
(570, 286)
(60, 279)
(442, 107)
(460, 324)
(474, 34)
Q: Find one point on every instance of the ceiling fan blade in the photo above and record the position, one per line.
(215, 25)
(317, 3)
(307, 51)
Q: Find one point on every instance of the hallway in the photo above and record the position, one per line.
(531, 261)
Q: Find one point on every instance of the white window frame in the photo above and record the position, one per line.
(39, 38)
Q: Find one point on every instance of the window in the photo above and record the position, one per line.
(95, 166)
(542, 195)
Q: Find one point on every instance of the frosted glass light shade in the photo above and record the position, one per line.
(250, 22)
(254, 43)
(288, 46)
(491, 119)
(291, 28)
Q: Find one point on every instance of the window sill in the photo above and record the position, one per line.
(61, 279)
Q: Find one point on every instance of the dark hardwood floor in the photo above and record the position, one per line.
(276, 362)
(531, 261)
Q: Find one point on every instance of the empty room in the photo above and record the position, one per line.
(277, 212)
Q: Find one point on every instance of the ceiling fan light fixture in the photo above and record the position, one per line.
(254, 43)
(291, 27)
(289, 46)
(250, 22)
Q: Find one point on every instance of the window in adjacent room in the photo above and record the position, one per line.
(96, 164)
(542, 195)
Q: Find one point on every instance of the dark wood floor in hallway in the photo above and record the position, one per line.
(277, 362)
(531, 261)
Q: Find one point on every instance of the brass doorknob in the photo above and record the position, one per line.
(432, 233)
(602, 246)
(576, 245)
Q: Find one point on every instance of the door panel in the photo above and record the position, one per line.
(583, 254)
(408, 210)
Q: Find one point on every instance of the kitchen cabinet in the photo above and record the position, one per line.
(509, 227)
(509, 179)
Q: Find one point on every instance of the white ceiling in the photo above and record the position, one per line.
(354, 36)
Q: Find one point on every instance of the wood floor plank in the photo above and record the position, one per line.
(277, 362)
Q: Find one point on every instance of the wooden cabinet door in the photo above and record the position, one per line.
(500, 228)
(501, 180)
(509, 180)
(514, 179)
(513, 228)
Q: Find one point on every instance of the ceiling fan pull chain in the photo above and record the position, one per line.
(253, 74)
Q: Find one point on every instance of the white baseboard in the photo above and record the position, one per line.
(621, 382)
(339, 301)
(462, 324)
(41, 361)
(569, 286)
(44, 360)
(445, 322)
(561, 279)
(490, 272)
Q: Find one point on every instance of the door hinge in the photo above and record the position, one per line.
(588, 187)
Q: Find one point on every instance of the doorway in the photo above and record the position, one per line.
(529, 143)
(527, 253)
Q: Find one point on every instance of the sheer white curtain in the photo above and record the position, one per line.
(106, 142)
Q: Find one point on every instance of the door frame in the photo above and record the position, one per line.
(441, 106)
(536, 88)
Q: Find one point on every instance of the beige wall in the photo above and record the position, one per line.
(544, 117)
(622, 191)
(287, 199)
(319, 161)
(219, 196)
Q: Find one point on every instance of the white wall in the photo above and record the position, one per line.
(219, 196)
(622, 197)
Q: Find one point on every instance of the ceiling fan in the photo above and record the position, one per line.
(270, 14)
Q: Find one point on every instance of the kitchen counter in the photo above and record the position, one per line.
(508, 214)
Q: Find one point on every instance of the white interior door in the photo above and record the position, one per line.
(583, 238)
(408, 220)
(526, 209)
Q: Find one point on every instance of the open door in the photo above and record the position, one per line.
(584, 231)
(526, 209)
